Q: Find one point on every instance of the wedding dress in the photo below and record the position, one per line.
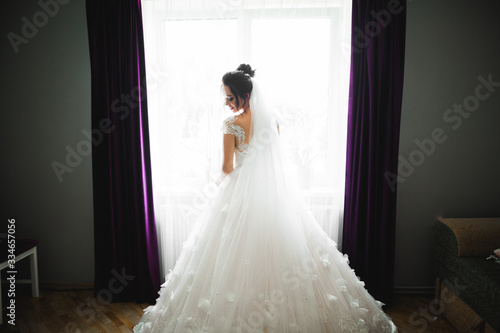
(257, 260)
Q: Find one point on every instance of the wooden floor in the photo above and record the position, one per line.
(78, 312)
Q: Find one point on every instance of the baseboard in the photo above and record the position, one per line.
(55, 285)
(62, 286)
(419, 290)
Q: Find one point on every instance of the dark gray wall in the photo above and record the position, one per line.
(449, 45)
(45, 104)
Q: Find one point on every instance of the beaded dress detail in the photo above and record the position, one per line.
(228, 127)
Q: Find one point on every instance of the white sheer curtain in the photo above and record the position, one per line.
(300, 49)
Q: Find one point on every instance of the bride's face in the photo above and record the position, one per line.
(231, 100)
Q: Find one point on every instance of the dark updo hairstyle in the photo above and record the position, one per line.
(239, 82)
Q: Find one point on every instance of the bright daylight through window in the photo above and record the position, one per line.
(301, 58)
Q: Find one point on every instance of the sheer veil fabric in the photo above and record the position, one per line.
(257, 260)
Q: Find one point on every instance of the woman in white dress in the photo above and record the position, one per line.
(257, 260)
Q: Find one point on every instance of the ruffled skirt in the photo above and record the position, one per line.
(258, 262)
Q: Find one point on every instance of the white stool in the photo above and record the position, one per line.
(24, 248)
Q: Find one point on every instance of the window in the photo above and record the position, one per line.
(300, 57)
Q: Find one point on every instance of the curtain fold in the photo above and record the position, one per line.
(375, 98)
(126, 250)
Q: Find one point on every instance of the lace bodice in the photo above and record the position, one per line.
(228, 127)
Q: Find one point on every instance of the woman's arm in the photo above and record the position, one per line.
(228, 146)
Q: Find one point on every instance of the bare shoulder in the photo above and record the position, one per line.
(238, 121)
(242, 121)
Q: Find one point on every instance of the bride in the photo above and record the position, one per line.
(257, 260)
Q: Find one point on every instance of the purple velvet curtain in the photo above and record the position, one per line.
(375, 97)
(126, 249)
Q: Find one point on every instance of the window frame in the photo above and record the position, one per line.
(244, 18)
